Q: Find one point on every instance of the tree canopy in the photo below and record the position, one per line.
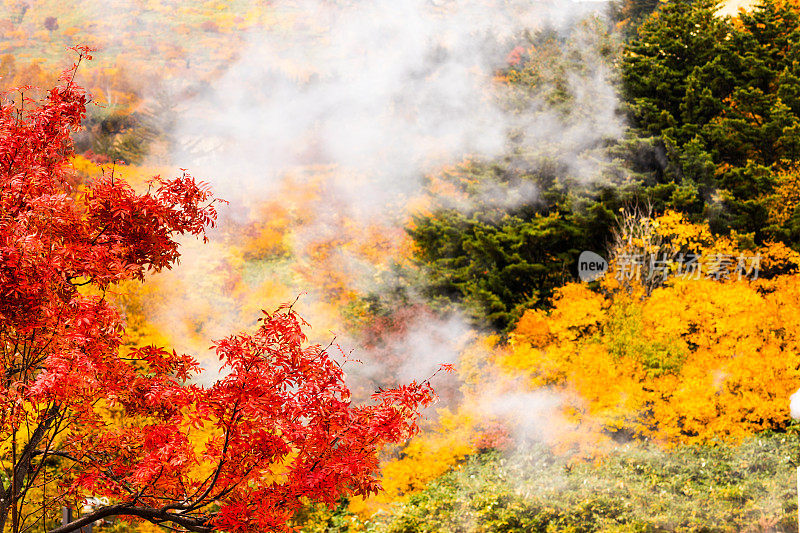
(83, 419)
(713, 109)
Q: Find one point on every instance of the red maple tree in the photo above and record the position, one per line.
(80, 420)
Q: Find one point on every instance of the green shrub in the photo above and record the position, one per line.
(638, 487)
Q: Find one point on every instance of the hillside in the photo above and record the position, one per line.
(578, 222)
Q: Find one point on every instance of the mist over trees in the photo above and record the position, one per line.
(713, 108)
(420, 179)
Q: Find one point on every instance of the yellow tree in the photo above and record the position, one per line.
(695, 359)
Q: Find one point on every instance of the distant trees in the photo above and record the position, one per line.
(723, 98)
(51, 23)
(18, 8)
(630, 13)
(500, 235)
(714, 105)
(501, 259)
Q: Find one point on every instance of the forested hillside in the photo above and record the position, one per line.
(577, 222)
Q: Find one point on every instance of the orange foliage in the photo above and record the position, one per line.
(786, 198)
(426, 457)
(135, 175)
(694, 361)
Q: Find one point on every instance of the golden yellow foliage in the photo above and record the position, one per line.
(691, 360)
(786, 197)
(426, 457)
(136, 175)
(135, 297)
(687, 249)
(696, 361)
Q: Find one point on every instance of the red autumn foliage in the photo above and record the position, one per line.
(514, 57)
(79, 419)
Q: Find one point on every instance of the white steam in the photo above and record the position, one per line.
(794, 405)
(382, 93)
(388, 91)
(535, 416)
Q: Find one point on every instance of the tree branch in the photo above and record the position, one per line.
(198, 524)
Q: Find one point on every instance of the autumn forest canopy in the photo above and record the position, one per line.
(480, 266)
